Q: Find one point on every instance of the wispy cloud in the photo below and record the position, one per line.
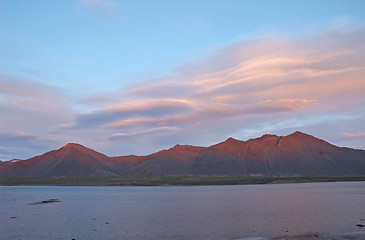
(22, 145)
(353, 135)
(27, 94)
(130, 110)
(14, 139)
(148, 133)
(28, 109)
(106, 9)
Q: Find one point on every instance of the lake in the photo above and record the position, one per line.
(196, 212)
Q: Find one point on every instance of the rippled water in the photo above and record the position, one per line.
(199, 212)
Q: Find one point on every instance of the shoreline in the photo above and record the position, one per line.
(358, 235)
(169, 180)
(305, 236)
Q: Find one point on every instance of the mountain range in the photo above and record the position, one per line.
(297, 154)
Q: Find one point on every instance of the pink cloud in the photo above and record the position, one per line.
(136, 122)
(353, 135)
(148, 133)
(130, 110)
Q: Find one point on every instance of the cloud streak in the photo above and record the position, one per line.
(21, 145)
(28, 109)
(127, 110)
(353, 135)
(148, 133)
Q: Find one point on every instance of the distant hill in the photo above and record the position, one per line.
(70, 160)
(297, 154)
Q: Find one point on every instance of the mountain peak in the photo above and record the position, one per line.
(229, 142)
(299, 134)
(183, 147)
(231, 139)
(268, 136)
(73, 146)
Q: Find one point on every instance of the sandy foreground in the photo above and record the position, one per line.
(338, 236)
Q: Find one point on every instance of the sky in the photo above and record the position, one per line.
(135, 77)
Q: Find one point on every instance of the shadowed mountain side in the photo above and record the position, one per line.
(179, 160)
(297, 154)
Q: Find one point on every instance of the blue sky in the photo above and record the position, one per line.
(72, 43)
(129, 77)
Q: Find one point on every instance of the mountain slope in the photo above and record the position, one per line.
(297, 154)
(70, 160)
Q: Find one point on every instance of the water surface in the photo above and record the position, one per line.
(198, 212)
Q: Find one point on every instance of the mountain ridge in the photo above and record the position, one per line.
(297, 154)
